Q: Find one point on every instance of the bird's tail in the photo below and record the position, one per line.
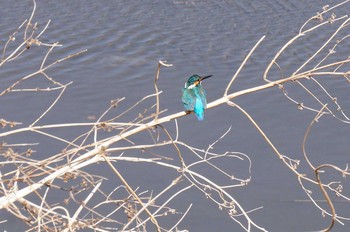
(199, 110)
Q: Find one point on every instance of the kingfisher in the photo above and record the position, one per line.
(194, 96)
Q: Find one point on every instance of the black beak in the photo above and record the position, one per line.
(202, 78)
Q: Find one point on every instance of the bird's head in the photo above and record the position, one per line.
(194, 81)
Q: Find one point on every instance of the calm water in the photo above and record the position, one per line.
(125, 40)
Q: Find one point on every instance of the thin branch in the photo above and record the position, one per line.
(242, 64)
(319, 114)
(160, 63)
(155, 222)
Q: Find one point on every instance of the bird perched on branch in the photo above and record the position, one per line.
(194, 96)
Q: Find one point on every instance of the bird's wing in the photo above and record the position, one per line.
(188, 98)
(200, 104)
(203, 96)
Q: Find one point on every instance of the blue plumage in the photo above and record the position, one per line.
(194, 96)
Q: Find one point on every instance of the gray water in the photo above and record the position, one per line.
(125, 40)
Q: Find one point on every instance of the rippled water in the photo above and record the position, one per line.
(125, 40)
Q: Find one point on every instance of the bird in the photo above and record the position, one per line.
(194, 96)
